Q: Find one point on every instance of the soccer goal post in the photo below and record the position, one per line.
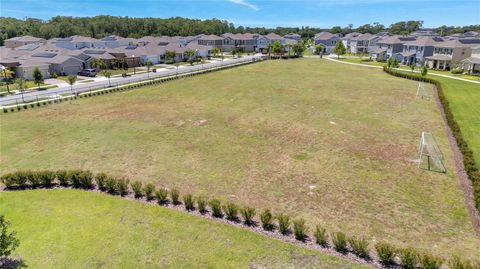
(422, 92)
(430, 155)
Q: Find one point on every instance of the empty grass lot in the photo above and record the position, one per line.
(333, 143)
(76, 229)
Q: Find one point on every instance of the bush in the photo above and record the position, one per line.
(33, 178)
(248, 213)
(428, 261)
(202, 204)
(386, 253)
(457, 71)
(86, 179)
(62, 178)
(101, 179)
(111, 185)
(300, 229)
(267, 220)
(339, 240)
(161, 196)
(149, 191)
(321, 236)
(175, 195)
(122, 186)
(137, 189)
(283, 223)
(231, 211)
(408, 258)
(458, 263)
(46, 178)
(216, 206)
(9, 180)
(359, 247)
(73, 177)
(8, 240)
(188, 202)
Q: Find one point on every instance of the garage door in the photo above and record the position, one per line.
(71, 70)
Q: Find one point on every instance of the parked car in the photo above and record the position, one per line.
(88, 72)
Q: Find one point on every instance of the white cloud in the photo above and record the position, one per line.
(245, 3)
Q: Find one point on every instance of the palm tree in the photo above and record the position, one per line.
(149, 65)
(71, 80)
(7, 75)
(98, 64)
(170, 55)
(190, 54)
(216, 52)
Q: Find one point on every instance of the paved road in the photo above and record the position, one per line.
(79, 87)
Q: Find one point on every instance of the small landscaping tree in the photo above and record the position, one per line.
(170, 56)
(216, 52)
(149, 191)
(277, 47)
(149, 65)
(319, 49)
(137, 189)
(8, 239)
(37, 77)
(190, 54)
(21, 85)
(107, 74)
(71, 79)
(98, 64)
(424, 70)
(339, 49)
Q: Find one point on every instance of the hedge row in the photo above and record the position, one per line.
(96, 92)
(282, 223)
(471, 167)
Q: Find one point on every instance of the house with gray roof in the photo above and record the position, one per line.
(211, 40)
(471, 64)
(328, 40)
(18, 41)
(415, 51)
(245, 42)
(293, 36)
(359, 43)
(347, 39)
(390, 46)
(449, 54)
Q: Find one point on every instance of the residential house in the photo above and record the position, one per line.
(210, 40)
(359, 43)
(293, 36)
(372, 42)
(415, 51)
(328, 40)
(18, 41)
(425, 33)
(245, 42)
(447, 55)
(200, 50)
(79, 42)
(471, 64)
(347, 39)
(114, 41)
(272, 37)
(389, 46)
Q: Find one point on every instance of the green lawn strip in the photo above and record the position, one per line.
(76, 229)
(29, 84)
(303, 137)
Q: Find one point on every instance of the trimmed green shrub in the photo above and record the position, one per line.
(359, 247)
(137, 189)
(300, 229)
(175, 195)
(248, 213)
(8, 180)
(267, 220)
(283, 223)
(321, 236)
(216, 207)
(339, 241)
(149, 191)
(46, 178)
(188, 202)
(408, 258)
(231, 211)
(122, 186)
(101, 179)
(111, 185)
(33, 178)
(161, 195)
(202, 204)
(386, 253)
(457, 71)
(428, 261)
(74, 177)
(86, 179)
(62, 177)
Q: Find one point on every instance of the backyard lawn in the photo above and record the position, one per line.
(332, 143)
(76, 229)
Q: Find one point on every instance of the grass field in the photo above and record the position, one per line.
(332, 143)
(75, 229)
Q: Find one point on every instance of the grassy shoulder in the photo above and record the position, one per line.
(77, 229)
(315, 142)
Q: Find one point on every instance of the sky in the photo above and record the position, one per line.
(263, 13)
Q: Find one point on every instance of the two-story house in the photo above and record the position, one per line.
(390, 46)
(328, 40)
(245, 42)
(359, 43)
(372, 42)
(18, 41)
(471, 64)
(449, 54)
(293, 36)
(210, 40)
(415, 52)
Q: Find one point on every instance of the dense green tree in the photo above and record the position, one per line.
(8, 239)
(339, 49)
(37, 77)
(7, 76)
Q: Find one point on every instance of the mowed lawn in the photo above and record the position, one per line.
(77, 229)
(332, 143)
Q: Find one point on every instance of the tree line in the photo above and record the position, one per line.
(104, 25)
